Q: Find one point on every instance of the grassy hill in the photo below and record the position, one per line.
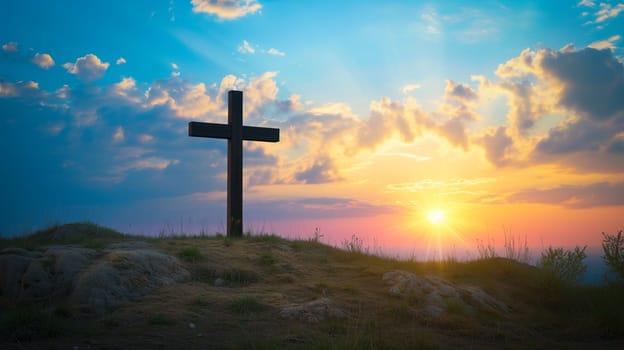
(252, 293)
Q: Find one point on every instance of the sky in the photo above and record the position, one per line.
(429, 127)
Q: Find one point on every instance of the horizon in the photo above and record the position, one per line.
(410, 124)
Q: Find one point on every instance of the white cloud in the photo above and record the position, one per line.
(10, 47)
(587, 3)
(87, 68)
(275, 52)
(246, 48)
(119, 135)
(410, 87)
(43, 60)
(226, 9)
(605, 44)
(608, 11)
(174, 65)
(120, 60)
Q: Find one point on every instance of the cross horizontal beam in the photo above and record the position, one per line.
(224, 131)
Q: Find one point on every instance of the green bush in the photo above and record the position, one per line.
(564, 265)
(613, 248)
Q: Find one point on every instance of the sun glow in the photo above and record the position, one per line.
(436, 217)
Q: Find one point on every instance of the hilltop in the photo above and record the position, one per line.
(84, 286)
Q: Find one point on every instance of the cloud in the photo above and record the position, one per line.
(608, 11)
(226, 9)
(459, 91)
(497, 145)
(586, 3)
(87, 68)
(574, 196)
(120, 60)
(410, 87)
(321, 171)
(10, 47)
(28, 89)
(582, 89)
(275, 52)
(119, 135)
(605, 44)
(43, 60)
(246, 48)
(592, 81)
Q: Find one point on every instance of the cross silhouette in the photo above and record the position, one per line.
(235, 132)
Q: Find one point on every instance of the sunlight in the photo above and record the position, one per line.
(436, 217)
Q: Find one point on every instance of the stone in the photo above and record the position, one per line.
(312, 312)
(97, 281)
(122, 275)
(436, 292)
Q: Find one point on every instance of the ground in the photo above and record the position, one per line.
(264, 292)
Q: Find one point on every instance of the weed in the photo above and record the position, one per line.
(267, 259)
(355, 245)
(190, 254)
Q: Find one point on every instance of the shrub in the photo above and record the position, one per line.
(613, 248)
(564, 265)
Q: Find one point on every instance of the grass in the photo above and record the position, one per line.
(190, 253)
(161, 320)
(246, 305)
(260, 274)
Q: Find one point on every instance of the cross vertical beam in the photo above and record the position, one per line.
(235, 132)
(235, 165)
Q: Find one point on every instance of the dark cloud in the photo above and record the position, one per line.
(575, 196)
(593, 81)
(497, 146)
(579, 136)
(460, 91)
(321, 171)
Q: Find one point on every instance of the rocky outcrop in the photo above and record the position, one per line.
(433, 294)
(97, 281)
(312, 312)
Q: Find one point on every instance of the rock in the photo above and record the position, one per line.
(219, 282)
(122, 275)
(36, 282)
(131, 245)
(13, 265)
(312, 312)
(436, 293)
(97, 281)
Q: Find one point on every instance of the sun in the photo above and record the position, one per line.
(436, 216)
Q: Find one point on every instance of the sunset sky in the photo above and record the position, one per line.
(414, 125)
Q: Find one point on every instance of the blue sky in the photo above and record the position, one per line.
(387, 109)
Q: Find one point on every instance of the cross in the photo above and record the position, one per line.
(235, 132)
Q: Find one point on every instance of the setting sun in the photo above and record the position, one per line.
(436, 216)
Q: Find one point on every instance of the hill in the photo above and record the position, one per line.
(83, 286)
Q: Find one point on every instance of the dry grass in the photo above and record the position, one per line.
(259, 275)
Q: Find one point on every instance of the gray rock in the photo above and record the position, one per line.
(437, 292)
(36, 282)
(96, 281)
(312, 312)
(12, 268)
(122, 275)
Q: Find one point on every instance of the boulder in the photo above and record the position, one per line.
(434, 293)
(124, 274)
(97, 281)
(312, 312)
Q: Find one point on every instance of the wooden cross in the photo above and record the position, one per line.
(235, 132)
